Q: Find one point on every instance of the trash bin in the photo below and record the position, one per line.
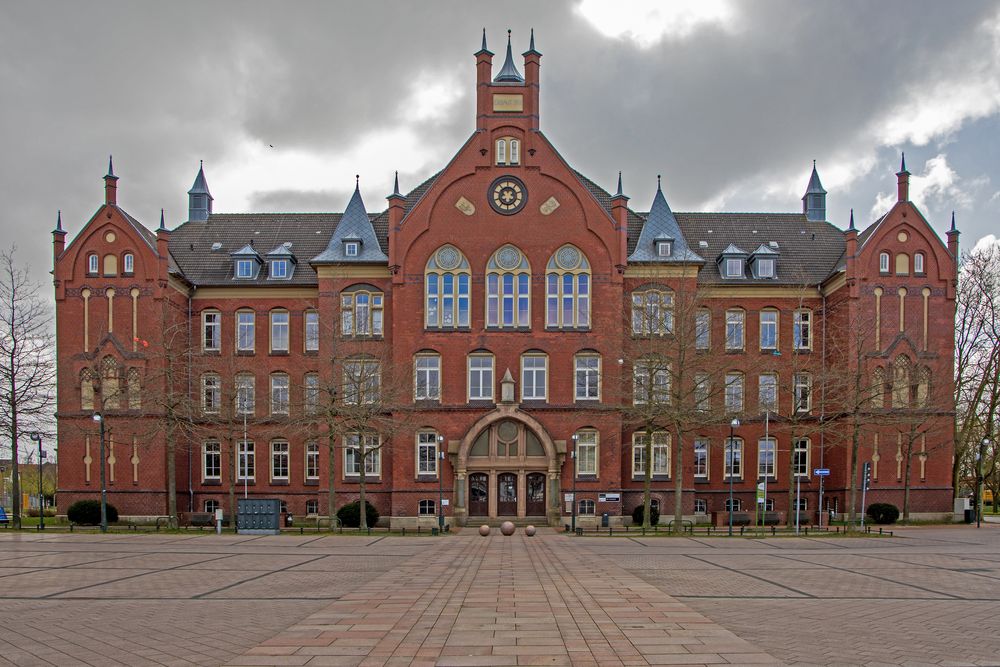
(970, 515)
(288, 520)
(604, 520)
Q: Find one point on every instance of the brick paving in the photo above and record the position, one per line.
(928, 596)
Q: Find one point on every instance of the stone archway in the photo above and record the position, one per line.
(493, 469)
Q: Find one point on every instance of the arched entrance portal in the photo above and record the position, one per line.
(509, 465)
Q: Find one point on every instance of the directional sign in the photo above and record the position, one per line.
(821, 472)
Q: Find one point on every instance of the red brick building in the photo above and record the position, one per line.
(516, 299)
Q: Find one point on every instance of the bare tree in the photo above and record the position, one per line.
(27, 367)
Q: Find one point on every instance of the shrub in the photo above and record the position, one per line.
(350, 514)
(654, 515)
(883, 513)
(88, 512)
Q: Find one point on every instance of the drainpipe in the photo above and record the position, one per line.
(190, 416)
(822, 413)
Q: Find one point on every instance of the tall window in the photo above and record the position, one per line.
(734, 392)
(480, 377)
(586, 452)
(768, 330)
(427, 377)
(902, 264)
(800, 457)
(86, 389)
(508, 289)
(372, 455)
(883, 262)
(733, 458)
(211, 327)
(534, 372)
(110, 265)
(651, 381)
(92, 264)
(652, 312)
(361, 313)
(703, 329)
(110, 393)
(767, 392)
(700, 462)
(702, 392)
(446, 289)
(279, 394)
(310, 393)
(362, 381)
(508, 151)
(211, 393)
(766, 451)
(312, 331)
(918, 263)
(588, 377)
(134, 389)
(802, 329)
(312, 461)
(427, 453)
(901, 382)
(878, 388)
(734, 329)
(128, 266)
(661, 453)
(279, 331)
(567, 289)
(211, 461)
(246, 461)
(245, 390)
(279, 461)
(245, 331)
(802, 392)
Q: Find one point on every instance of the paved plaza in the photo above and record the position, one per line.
(927, 596)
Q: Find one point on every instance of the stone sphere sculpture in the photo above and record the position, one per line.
(507, 528)
(484, 530)
(529, 531)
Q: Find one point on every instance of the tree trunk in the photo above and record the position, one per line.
(906, 479)
(855, 446)
(171, 473)
(647, 482)
(362, 460)
(679, 483)
(331, 500)
(232, 482)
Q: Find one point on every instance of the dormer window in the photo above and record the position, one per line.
(352, 248)
(765, 268)
(664, 248)
(734, 268)
(279, 269)
(244, 268)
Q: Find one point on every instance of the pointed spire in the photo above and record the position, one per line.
(850, 227)
(111, 168)
(395, 184)
(163, 226)
(484, 40)
(354, 228)
(483, 50)
(199, 198)
(661, 228)
(902, 164)
(531, 46)
(953, 227)
(59, 228)
(619, 193)
(508, 73)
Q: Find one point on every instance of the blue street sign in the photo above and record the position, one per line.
(821, 472)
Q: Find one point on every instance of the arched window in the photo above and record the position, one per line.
(878, 388)
(567, 289)
(918, 263)
(901, 382)
(128, 263)
(508, 289)
(652, 312)
(883, 262)
(446, 289)
(109, 384)
(361, 312)
(92, 264)
(508, 151)
(134, 389)
(86, 389)
(111, 265)
(923, 387)
(902, 264)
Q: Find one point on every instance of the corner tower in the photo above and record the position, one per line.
(509, 94)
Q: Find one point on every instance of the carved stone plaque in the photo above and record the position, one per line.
(465, 206)
(548, 206)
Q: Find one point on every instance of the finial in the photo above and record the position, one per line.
(201, 164)
(59, 221)
(953, 228)
(357, 181)
(484, 40)
(111, 166)
(508, 36)
(814, 164)
(619, 193)
(851, 226)
(657, 181)
(395, 185)
(531, 44)
(163, 226)
(902, 165)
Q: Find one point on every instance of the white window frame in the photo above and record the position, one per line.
(128, 263)
(211, 330)
(700, 506)
(737, 505)
(211, 449)
(279, 269)
(485, 373)
(587, 452)
(246, 330)
(767, 457)
(280, 330)
(802, 383)
(534, 367)
(280, 460)
(587, 376)
(664, 248)
(802, 329)
(245, 395)
(700, 458)
(767, 403)
(735, 391)
(769, 318)
(736, 329)
(733, 446)
(883, 262)
(427, 453)
(765, 267)
(211, 403)
(652, 312)
(426, 507)
(734, 267)
(427, 377)
(362, 381)
(702, 391)
(918, 263)
(247, 461)
(650, 380)
(280, 398)
(352, 249)
(661, 454)
(244, 269)
(514, 151)
(310, 393)
(93, 264)
(501, 153)
(703, 329)
(310, 340)
(311, 469)
(373, 456)
(800, 467)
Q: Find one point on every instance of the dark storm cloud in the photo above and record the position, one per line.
(164, 85)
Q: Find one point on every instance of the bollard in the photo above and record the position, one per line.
(404, 531)
(774, 530)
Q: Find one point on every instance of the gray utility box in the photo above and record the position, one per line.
(258, 517)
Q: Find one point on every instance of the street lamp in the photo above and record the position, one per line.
(37, 437)
(979, 479)
(440, 470)
(575, 438)
(733, 425)
(99, 418)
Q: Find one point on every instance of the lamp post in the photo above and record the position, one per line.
(733, 425)
(440, 471)
(99, 418)
(37, 437)
(980, 455)
(574, 438)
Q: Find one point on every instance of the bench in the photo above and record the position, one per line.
(196, 519)
(4, 519)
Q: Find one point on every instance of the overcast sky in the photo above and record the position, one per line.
(729, 101)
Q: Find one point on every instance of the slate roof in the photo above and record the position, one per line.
(661, 224)
(355, 225)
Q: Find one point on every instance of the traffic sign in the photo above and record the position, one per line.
(821, 472)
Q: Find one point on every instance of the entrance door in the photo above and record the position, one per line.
(506, 494)
(536, 494)
(479, 495)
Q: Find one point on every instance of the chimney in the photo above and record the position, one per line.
(532, 63)
(903, 182)
(396, 209)
(619, 211)
(110, 185)
(484, 77)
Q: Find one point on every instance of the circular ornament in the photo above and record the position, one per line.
(448, 258)
(110, 237)
(902, 237)
(568, 257)
(529, 531)
(507, 431)
(508, 258)
(507, 528)
(484, 530)
(507, 195)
